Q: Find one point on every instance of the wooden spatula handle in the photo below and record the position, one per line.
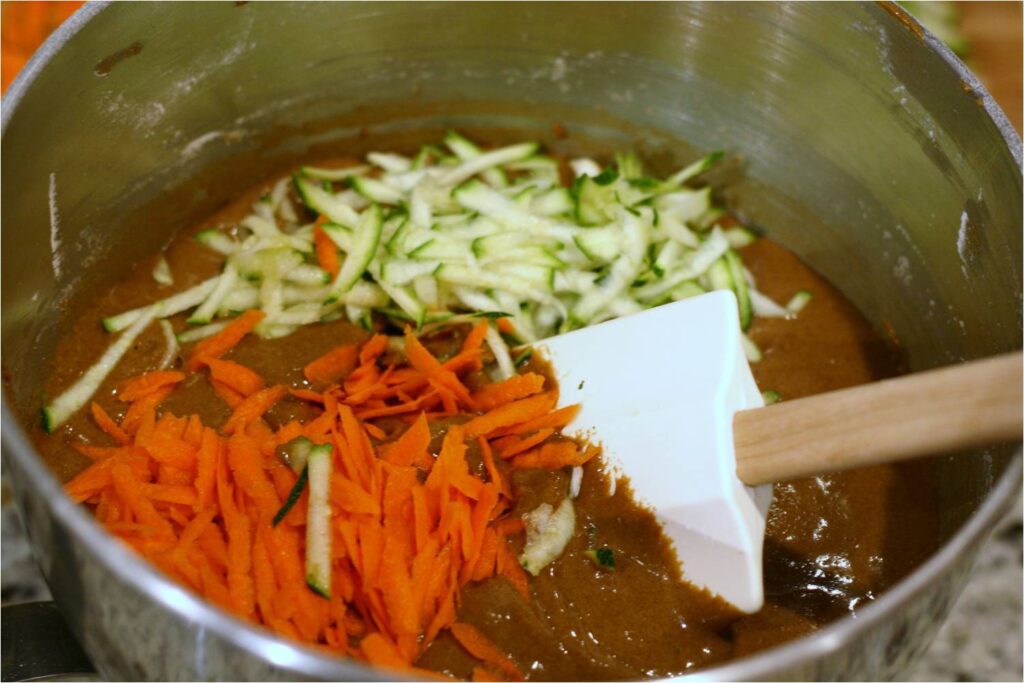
(970, 405)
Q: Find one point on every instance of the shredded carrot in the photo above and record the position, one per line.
(225, 340)
(107, 424)
(326, 252)
(349, 496)
(517, 446)
(512, 389)
(492, 469)
(512, 570)
(554, 455)
(206, 471)
(372, 349)
(170, 493)
(475, 339)
(511, 414)
(421, 359)
(333, 366)
(481, 673)
(410, 529)
(139, 410)
(253, 407)
(194, 431)
(478, 645)
(90, 481)
(307, 395)
(380, 651)
(508, 526)
(143, 385)
(246, 465)
(411, 447)
(375, 431)
(131, 492)
(555, 419)
(99, 452)
(231, 397)
(505, 326)
(234, 375)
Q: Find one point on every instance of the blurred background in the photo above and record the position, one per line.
(982, 639)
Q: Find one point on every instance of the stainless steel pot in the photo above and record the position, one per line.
(869, 149)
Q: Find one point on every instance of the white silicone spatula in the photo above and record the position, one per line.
(669, 395)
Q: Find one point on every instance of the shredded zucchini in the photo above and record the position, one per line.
(162, 272)
(318, 520)
(506, 368)
(293, 497)
(750, 349)
(442, 234)
(799, 300)
(602, 557)
(575, 481)
(171, 352)
(547, 533)
(78, 394)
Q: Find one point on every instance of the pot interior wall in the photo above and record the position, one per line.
(853, 145)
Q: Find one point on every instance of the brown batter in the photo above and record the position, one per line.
(832, 543)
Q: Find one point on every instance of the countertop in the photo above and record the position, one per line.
(981, 641)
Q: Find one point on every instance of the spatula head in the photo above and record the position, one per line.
(658, 391)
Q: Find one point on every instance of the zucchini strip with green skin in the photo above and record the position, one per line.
(172, 305)
(624, 271)
(765, 307)
(364, 247)
(217, 241)
(376, 191)
(171, 351)
(469, 168)
(500, 350)
(466, 150)
(296, 453)
(333, 173)
(750, 349)
(162, 272)
(78, 394)
(208, 308)
(293, 497)
(740, 287)
(318, 520)
(323, 202)
(695, 264)
(694, 169)
(799, 300)
(547, 533)
(740, 237)
(392, 163)
(340, 235)
(197, 333)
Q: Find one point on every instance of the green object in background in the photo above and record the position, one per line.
(943, 20)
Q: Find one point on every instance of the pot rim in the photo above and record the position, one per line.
(129, 568)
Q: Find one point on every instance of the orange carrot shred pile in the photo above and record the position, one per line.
(412, 522)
